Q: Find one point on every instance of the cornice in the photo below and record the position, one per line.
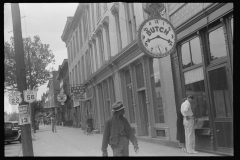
(115, 8)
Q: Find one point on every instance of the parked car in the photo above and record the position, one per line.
(12, 131)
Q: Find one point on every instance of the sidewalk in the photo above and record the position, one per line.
(68, 141)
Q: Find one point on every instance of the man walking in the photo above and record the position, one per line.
(53, 124)
(188, 122)
(118, 132)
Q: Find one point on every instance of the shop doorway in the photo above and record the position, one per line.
(143, 112)
(220, 101)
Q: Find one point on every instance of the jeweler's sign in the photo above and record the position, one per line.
(78, 97)
(78, 89)
(24, 117)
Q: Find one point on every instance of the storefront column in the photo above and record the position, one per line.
(146, 72)
(100, 118)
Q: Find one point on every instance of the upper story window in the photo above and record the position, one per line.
(72, 51)
(80, 34)
(76, 75)
(217, 44)
(105, 6)
(74, 47)
(191, 53)
(85, 23)
(95, 53)
(68, 50)
(131, 23)
(118, 29)
(108, 53)
(98, 11)
(93, 13)
(83, 70)
(77, 42)
(101, 48)
(79, 76)
(89, 19)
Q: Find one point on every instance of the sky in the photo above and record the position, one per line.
(46, 20)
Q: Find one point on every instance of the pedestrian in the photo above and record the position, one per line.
(180, 129)
(118, 132)
(188, 122)
(53, 124)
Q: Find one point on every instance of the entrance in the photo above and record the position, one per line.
(143, 112)
(221, 108)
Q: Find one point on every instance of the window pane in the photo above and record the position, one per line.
(127, 77)
(186, 59)
(232, 25)
(139, 74)
(196, 51)
(220, 93)
(217, 44)
(156, 88)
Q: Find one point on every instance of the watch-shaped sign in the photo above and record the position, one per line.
(157, 37)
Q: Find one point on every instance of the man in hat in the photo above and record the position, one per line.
(118, 132)
(188, 122)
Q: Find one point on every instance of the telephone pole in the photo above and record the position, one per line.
(27, 146)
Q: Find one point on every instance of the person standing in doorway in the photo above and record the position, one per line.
(118, 132)
(180, 129)
(53, 124)
(188, 122)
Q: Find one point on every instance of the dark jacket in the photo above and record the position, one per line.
(110, 134)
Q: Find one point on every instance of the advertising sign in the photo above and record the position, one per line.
(79, 97)
(29, 95)
(78, 89)
(24, 117)
(15, 98)
(61, 97)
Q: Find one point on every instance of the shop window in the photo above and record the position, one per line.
(130, 96)
(194, 85)
(160, 133)
(217, 44)
(220, 93)
(140, 76)
(112, 91)
(156, 89)
(191, 53)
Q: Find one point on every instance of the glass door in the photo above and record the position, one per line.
(221, 107)
(143, 112)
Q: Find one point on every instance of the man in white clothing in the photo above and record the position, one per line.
(188, 122)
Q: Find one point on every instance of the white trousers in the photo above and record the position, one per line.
(189, 134)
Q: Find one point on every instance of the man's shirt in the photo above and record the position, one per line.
(186, 109)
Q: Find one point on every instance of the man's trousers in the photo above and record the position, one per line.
(121, 149)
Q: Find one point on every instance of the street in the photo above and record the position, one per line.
(12, 149)
(68, 141)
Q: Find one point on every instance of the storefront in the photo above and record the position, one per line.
(202, 66)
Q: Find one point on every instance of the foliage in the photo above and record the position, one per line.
(40, 57)
(14, 116)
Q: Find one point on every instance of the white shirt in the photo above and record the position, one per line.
(186, 109)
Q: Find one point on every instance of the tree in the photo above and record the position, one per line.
(14, 116)
(40, 57)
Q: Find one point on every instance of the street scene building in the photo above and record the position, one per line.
(104, 57)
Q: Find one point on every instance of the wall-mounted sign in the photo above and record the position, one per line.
(61, 97)
(24, 117)
(15, 98)
(79, 97)
(29, 95)
(78, 89)
(157, 37)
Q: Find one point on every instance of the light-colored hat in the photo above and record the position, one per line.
(117, 106)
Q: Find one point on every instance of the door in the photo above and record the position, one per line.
(221, 107)
(143, 112)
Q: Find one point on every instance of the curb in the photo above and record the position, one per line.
(20, 153)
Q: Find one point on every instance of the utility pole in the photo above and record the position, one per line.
(27, 145)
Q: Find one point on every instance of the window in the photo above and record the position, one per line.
(118, 29)
(79, 76)
(85, 23)
(86, 64)
(89, 20)
(70, 79)
(108, 53)
(73, 77)
(217, 44)
(98, 11)
(107, 99)
(220, 93)
(96, 55)
(112, 91)
(68, 50)
(100, 94)
(76, 76)
(105, 6)
(139, 74)
(93, 13)
(77, 42)
(131, 24)
(129, 96)
(101, 48)
(91, 58)
(232, 26)
(194, 85)
(191, 53)
(72, 50)
(156, 89)
(74, 47)
(80, 34)
(83, 71)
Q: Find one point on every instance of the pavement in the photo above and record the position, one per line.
(68, 141)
